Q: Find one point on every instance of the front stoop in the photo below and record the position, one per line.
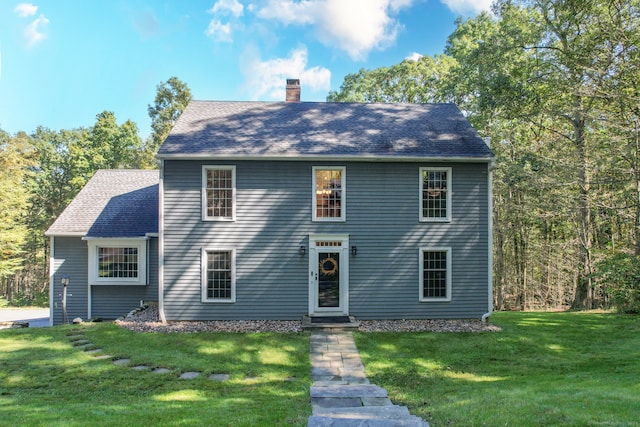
(306, 324)
(341, 395)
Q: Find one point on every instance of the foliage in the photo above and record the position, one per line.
(15, 158)
(554, 84)
(171, 99)
(543, 369)
(620, 273)
(47, 381)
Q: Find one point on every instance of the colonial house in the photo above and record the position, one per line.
(279, 210)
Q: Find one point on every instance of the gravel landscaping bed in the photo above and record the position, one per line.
(147, 320)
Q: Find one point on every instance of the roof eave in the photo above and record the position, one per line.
(351, 158)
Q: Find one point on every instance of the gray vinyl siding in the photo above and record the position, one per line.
(111, 302)
(108, 302)
(70, 259)
(274, 218)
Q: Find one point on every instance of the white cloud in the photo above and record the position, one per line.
(232, 7)
(415, 56)
(355, 26)
(464, 7)
(33, 32)
(266, 79)
(25, 9)
(216, 29)
(219, 31)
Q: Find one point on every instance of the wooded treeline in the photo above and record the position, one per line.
(555, 85)
(40, 173)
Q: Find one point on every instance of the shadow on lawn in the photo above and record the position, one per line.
(46, 381)
(542, 369)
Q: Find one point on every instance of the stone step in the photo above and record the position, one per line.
(365, 412)
(347, 391)
(319, 421)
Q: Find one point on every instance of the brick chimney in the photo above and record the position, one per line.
(293, 90)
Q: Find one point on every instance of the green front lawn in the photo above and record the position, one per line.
(44, 381)
(543, 369)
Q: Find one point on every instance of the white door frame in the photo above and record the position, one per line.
(317, 244)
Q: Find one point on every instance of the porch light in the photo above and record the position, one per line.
(303, 250)
(65, 280)
(354, 250)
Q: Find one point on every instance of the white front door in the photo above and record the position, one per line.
(328, 274)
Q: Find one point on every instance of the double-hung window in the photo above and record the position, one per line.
(435, 274)
(435, 194)
(219, 193)
(218, 275)
(329, 193)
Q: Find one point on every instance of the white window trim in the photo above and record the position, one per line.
(139, 243)
(449, 191)
(203, 276)
(446, 249)
(343, 189)
(205, 168)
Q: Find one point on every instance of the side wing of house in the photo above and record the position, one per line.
(104, 248)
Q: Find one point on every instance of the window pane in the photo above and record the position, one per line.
(219, 275)
(434, 194)
(328, 193)
(118, 262)
(434, 274)
(219, 193)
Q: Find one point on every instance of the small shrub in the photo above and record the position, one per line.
(620, 273)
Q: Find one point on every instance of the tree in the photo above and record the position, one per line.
(15, 158)
(172, 97)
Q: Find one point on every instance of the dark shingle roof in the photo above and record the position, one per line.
(320, 129)
(114, 203)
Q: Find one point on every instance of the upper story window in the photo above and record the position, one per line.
(219, 193)
(435, 194)
(117, 261)
(329, 193)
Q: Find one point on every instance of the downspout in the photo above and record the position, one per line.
(490, 167)
(163, 318)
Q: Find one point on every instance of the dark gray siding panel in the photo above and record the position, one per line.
(111, 302)
(70, 259)
(274, 219)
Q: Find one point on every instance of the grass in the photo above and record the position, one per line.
(44, 381)
(543, 369)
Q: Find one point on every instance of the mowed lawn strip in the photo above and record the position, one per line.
(45, 381)
(543, 369)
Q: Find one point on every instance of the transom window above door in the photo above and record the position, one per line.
(329, 197)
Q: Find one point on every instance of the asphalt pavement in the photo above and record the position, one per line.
(36, 317)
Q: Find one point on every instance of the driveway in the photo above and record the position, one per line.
(37, 317)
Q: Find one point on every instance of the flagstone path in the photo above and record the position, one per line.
(341, 394)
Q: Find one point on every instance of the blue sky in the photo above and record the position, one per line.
(63, 61)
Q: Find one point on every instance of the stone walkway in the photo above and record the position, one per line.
(341, 394)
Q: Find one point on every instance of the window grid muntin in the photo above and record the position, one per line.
(117, 263)
(435, 197)
(219, 275)
(434, 274)
(329, 193)
(219, 192)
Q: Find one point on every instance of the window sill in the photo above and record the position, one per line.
(434, 300)
(218, 301)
